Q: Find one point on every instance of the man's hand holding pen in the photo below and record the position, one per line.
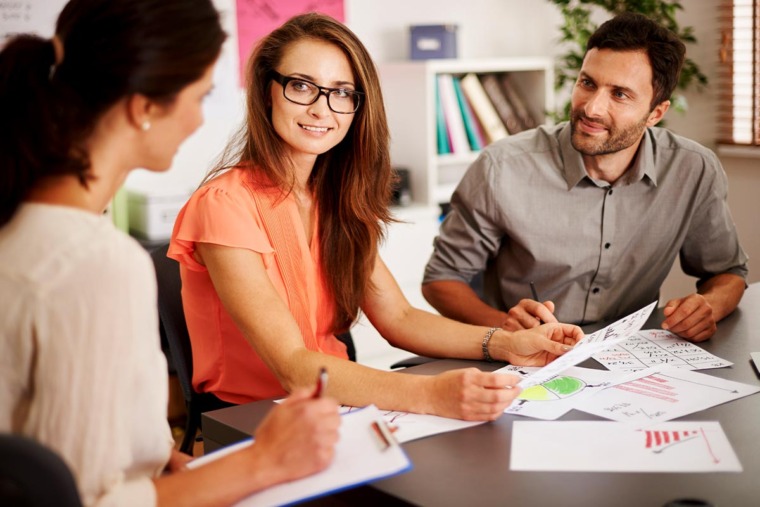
(529, 313)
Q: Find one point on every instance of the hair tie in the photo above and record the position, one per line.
(58, 53)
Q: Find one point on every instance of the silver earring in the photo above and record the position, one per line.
(145, 126)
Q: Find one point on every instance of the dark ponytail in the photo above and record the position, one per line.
(110, 50)
(30, 146)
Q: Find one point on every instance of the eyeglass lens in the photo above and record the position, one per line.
(305, 93)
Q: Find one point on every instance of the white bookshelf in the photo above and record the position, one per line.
(409, 94)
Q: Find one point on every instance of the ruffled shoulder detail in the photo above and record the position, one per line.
(221, 212)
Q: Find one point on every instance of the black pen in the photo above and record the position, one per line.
(535, 297)
(321, 383)
(533, 291)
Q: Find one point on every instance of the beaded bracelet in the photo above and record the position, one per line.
(486, 339)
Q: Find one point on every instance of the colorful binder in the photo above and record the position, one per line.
(467, 117)
(483, 109)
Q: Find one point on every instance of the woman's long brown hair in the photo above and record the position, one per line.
(352, 182)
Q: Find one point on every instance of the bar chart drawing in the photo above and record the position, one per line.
(600, 446)
(659, 441)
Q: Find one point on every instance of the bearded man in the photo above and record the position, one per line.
(594, 211)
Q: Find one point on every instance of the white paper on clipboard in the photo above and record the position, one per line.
(365, 452)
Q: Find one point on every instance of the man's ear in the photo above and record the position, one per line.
(658, 113)
(140, 111)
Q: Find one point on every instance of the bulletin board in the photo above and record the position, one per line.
(256, 18)
(28, 16)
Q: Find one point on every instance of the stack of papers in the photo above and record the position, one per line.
(662, 394)
(655, 347)
(590, 345)
(650, 379)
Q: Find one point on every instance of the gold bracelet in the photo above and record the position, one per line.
(484, 345)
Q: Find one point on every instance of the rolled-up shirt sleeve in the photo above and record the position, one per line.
(712, 245)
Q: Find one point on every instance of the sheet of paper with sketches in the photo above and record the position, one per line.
(591, 344)
(663, 394)
(600, 446)
(652, 347)
(407, 426)
(557, 396)
(362, 454)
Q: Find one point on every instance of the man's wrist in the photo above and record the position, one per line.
(501, 321)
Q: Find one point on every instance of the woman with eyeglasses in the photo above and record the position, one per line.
(279, 247)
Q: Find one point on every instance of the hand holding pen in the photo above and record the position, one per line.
(529, 313)
(534, 293)
(298, 436)
(321, 383)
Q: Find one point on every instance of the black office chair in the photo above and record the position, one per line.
(174, 331)
(32, 475)
(348, 341)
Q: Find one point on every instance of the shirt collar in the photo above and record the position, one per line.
(575, 171)
(644, 164)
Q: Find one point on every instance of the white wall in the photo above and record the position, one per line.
(699, 122)
(489, 28)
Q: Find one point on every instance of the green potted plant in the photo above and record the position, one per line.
(578, 27)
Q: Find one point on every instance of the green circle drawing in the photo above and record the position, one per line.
(554, 389)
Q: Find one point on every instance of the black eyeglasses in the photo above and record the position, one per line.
(303, 92)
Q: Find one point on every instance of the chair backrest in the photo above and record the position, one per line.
(172, 316)
(174, 331)
(32, 475)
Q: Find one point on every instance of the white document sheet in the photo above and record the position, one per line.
(591, 344)
(407, 426)
(663, 394)
(599, 446)
(364, 453)
(557, 396)
(652, 347)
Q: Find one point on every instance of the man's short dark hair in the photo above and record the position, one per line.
(632, 32)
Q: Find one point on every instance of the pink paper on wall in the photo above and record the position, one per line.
(256, 18)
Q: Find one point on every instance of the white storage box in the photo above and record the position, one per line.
(152, 214)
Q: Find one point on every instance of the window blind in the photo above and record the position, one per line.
(739, 73)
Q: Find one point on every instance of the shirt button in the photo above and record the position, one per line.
(607, 245)
(595, 290)
(610, 192)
